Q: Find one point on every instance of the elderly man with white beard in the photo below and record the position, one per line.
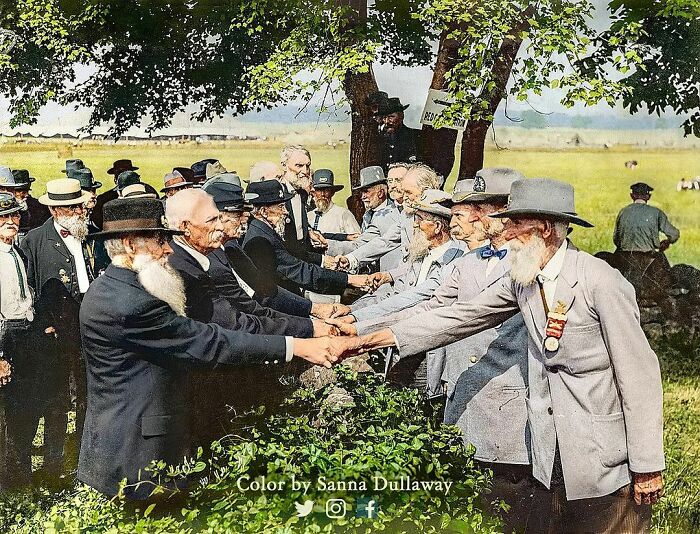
(60, 270)
(138, 345)
(595, 396)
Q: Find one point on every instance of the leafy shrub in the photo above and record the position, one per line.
(344, 435)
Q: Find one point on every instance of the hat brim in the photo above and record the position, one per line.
(46, 201)
(333, 187)
(474, 198)
(176, 186)
(271, 202)
(11, 211)
(114, 171)
(566, 217)
(93, 187)
(395, 110)
(106, 234)
(367, 186)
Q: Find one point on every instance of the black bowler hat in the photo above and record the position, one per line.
(227, 196)
(376, 98)
(22, 179)
(133, 215)
(640, 188)
(84, 176)
(324, 179)
(200, 169)
(266, 193)
(8, 204)
(73, 165)
(120, 166)
(389, 106)
(127, 178)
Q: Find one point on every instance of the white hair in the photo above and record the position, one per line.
(115, 246)
(561, 230)
(181, 206)
(426, 177)
(264, 170)
(288, 150)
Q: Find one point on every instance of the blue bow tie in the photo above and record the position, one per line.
(488, 252)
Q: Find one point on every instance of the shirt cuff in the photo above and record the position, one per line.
(289, 343)
(354, 262)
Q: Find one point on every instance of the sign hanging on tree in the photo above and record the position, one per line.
(437, 101)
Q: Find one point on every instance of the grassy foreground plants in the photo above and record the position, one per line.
(358, 440)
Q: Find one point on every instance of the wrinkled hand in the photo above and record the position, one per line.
(378, 279)
(343, 263)
(318, 239)
(5, 372)
(360, 281)
(664, 245)
(317, 350)
(330, 262)
(648, 487)
(344, 327)
(342, 347)
(339, 310)
(352, 237)
(322, 328)
(324, 310)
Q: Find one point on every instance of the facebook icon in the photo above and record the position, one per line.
(367, 507)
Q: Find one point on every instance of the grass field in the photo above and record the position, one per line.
(602, 186)
(599, 176)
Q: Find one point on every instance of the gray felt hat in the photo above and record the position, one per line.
(542, 198)
(432, 202)
(370, 176)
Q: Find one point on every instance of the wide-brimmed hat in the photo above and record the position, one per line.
(174, 180)
(212, 169)
(542, 198)
(389, 106)
(227, 196)
(266, 193)
(324, 179)
(84, 176)
(225, 178)
(186, 173)
(461, 188)
(22, 179)
(431, 202)
(7, 179)
(64, 192)
(640, 188)
(8, 204)
(199, 169)
(376, 98)
(370, 176)
(489, 184)
(133, 215)
(137, 191)
(120, 166)
(73, 165)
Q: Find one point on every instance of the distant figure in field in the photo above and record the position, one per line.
(631, 164)
(640, 253)
(686, 184)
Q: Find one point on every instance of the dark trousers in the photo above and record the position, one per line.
(616, 513)
(513, 484)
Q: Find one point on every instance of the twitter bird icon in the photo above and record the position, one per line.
(304, 509)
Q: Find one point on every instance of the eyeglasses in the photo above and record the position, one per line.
(76, 208)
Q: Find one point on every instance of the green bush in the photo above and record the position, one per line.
(339, 440)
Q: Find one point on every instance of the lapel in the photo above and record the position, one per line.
(56, 241)
(268, 232)
(567, 278)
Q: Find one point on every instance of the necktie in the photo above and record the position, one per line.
(22, 289)
(64, 233)
(488, 252)
(316, 219)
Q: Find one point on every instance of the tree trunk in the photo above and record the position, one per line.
(474, 138)
(438, 145)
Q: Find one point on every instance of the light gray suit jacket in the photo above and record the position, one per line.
(599, 395)
(485, 374)
(381, 240)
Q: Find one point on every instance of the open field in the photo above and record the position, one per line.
(599, 175)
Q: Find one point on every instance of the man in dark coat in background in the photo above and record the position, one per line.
(19, 183)
(138, 345)
(397, 142)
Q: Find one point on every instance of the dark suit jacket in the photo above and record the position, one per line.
(267, 292)
(272, 258)
(35, 216)
(102, 199)
(205, 303)
(301, 248)
(137, 351)
(51, 273)
(227, 286)
(403, 146)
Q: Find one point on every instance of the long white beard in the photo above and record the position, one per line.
(162, 281)
(525, 259)
(419, 246)
(279, 227)
(75, 224)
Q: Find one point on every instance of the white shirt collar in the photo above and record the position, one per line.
(382, 206)
(438, 252)
(198, 256)
(554, 265)
(640, 201)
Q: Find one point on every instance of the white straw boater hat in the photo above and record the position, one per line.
(64, 192)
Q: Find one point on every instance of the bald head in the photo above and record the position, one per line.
(265, 170)
(193, 212)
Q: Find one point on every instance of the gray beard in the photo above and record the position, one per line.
(525, 259)
(419, 246)
(323, 205)
(279, 227)
(75, 224)
(161, 281)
